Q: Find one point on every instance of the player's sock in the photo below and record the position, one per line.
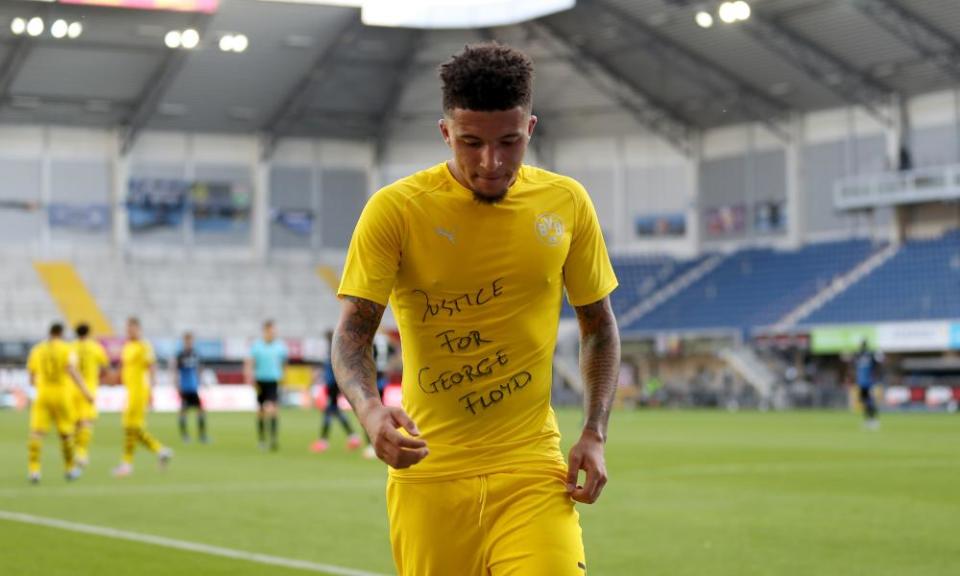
(202, 425)
(182, 421)
(34, 445)
(273, 430)
(149, 441)
(346, 423)
(66, 448)
(81, 443)
(130, 436)
(261, 430)
(325, 428)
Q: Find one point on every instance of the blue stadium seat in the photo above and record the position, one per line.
(639, 277)
(755, 287)
(921, 282)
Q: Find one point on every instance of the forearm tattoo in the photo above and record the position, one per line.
(352, 351)
(599, 362)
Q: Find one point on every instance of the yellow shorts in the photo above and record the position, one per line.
(85, 411)
(135, 413)
(53, 408)
(507, 524)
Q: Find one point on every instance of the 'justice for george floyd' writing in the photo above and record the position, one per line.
(449, 307)
(453, 342)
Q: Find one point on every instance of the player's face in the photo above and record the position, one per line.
(133, 331)
(488, 148)
(188, 342)
(269, 333)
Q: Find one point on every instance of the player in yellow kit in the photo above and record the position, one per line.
(138, 366)
(53, 372)
(92, 360)
(473, 255)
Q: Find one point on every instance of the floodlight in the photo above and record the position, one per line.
(727, 13)
(59, 29)
(35, 26)
(189, 38)
(240, 43)
(741, 9)
(226, 43)
(172, 39)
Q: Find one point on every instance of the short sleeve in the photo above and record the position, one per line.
(587, 273)
(149, 359)
(373, 258)
(33, 361)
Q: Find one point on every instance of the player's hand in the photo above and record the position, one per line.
(587, 455)
(398, 451)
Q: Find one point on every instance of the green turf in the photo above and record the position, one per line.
(699, 493)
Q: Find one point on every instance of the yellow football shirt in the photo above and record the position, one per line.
(48, 361)
(476, 290)
(137, 358)
(91, 359)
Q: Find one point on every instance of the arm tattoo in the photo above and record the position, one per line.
(599, 362)
(352, 350)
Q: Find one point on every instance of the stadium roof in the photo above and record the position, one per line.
(314, 70)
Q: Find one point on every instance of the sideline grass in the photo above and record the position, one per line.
(691, 493)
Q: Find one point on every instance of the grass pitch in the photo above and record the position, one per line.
(690, 493)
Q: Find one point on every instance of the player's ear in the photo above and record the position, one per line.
(444, 131)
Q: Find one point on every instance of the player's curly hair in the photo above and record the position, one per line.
(487, 77)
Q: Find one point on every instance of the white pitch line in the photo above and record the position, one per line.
(183, 545)
(118, 489)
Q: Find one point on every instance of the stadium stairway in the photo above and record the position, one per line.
(745, 361)
(834, 289)
(72, 297)
(671, 289)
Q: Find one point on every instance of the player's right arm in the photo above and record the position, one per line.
(77, 378)
(32, 367)
(356, 374)
(248, 369)
(176, 371)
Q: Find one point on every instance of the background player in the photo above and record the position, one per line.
(332, 410)
(138, 373)
(92, 361)
(53, 370)
(187, 375)
(264, 369)
(866, 364)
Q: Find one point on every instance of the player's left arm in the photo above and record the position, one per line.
(599, 365)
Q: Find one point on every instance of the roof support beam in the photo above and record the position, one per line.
(387, 120)
(149, 98)
(12, 65)
(295, 102)
(645, 108)
(920, 35)
(718, 80)
(821, 66)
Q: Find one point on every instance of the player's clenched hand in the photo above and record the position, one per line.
(397, 450)
(587, 455)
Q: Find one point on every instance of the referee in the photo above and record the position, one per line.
(264, 367)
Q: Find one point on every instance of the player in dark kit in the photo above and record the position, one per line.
(865, 366)
(331, 411)
(188, 383)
